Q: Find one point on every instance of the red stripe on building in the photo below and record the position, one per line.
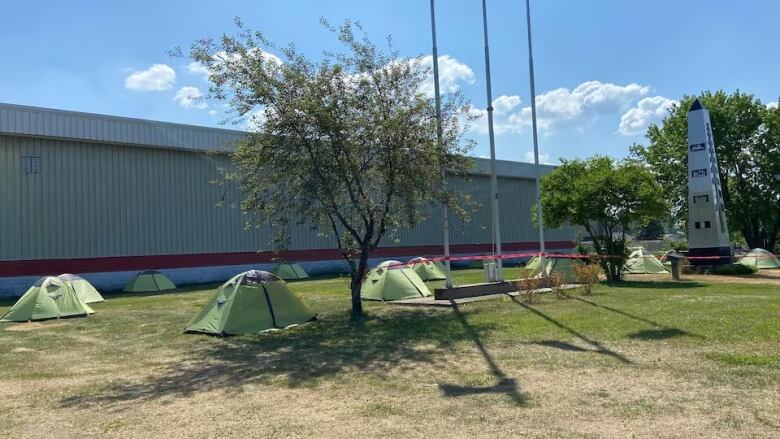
(34, 267)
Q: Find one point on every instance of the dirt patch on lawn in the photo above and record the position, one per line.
(32, 326)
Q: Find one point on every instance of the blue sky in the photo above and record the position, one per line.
(605, 68)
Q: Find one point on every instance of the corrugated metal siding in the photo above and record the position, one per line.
(10, 215)
(117, 187)
(44, 122)
(95, 200)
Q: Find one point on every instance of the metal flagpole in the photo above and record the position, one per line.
(539, 214)
(445, 212)
(493, 180)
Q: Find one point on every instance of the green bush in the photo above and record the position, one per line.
(732, 269)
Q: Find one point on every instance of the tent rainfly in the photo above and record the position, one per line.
(427, 270)
(760, 258)
(641, 261)
(86, 292)
(48, 298)
(249, 303)
(293, 271)
(149, 281)
(392, 280)
(564, 267)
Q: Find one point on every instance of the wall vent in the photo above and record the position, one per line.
(31, 165)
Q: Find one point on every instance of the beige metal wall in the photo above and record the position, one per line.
(96, 199)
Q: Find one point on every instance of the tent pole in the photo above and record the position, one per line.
(445, 222)
(539, 213)
(493, 179)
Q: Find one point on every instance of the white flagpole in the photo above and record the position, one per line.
(445, 212)
(539, 214)
(493, 180)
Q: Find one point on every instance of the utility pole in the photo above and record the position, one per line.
(445, 212)
(493, 179)
(539, 213)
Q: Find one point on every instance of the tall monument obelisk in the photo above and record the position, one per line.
(708, 234)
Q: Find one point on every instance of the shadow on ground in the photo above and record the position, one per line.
(393, 340)
(597, 345)
(659, 333)
(504, 384)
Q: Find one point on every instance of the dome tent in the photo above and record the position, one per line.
(641, 261)
(292, 271)
(759, 258)
(86, 292)
(392, 280)
(48, 298)
(249, 303)
(563, 267)
(149, 281)
(427, 270)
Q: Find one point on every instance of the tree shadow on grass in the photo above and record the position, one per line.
(599, 347)
(504, 384)
(299, 357)
(662, 331)
(658, 334)
(562, 345)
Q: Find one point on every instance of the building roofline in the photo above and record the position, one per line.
(40, 122)
(141, 120)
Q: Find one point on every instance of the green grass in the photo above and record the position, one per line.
(632, 352)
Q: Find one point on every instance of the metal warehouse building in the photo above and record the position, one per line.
(106, 196)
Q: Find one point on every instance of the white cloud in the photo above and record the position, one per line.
(452, 74)
(212, 112)
(648, 110)
(561, 106)
(197, 68)
(157, 78)
(190, 97)
(255, 119)
(543, 158)
(504, 104)
(772, 104)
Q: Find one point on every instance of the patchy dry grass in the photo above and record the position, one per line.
(639, 358)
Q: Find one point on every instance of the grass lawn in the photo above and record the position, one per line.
(639, 358)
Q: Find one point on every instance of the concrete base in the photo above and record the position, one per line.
(475, 290)
(714, 255)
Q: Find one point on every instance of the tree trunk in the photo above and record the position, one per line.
(357, 274)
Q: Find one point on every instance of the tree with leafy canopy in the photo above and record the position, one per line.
(346, 145)
(606, 198)
(747, 141)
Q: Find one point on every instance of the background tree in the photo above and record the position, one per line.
(346, 145)
(652, 230)
(606, 198)
(746, 135)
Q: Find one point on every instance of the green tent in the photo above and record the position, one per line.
(641, 261)
(426, 269)
(534, 264)
(149, 281)
(564, 267)
(248, 303)
(86, 292)
(48, 298)
(759, 258)
(392, 280)
(290, 272)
